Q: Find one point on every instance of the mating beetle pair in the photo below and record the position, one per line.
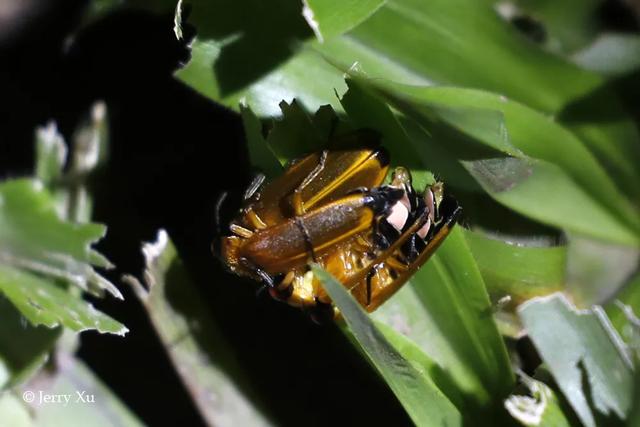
(333, 209)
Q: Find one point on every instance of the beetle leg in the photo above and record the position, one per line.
(298, 204)
(268, 280)
(451, 212)
(221, 198)
(362, 274)
(254, 186)
(370, 275)
(239, 230)
(396, 264)
(255, 220)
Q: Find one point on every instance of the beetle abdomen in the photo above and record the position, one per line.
(298, 239)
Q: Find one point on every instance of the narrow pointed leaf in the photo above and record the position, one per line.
(423, 401)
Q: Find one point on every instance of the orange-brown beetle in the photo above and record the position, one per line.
(331, 208)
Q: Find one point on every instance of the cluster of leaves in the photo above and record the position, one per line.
(531, 138)
(517, 132)
(46, 264)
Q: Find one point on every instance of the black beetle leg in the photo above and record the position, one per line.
(268, 280)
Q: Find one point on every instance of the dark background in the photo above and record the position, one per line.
(171, 153)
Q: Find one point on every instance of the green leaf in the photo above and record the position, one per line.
(568, 24)
(524, 186)
(20, 358)
(530, 132)
(44, 303)
(34, 238)
(35, 242)
(421, 398)
(624, 310)
(592, 368)
(365, 110)
(194, 343)
(425, 365)
(407, 41)
(446, 311)
(260, 154)
(295, 133)
(516, 270)
(328, 19)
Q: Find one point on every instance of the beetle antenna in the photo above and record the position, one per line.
(215, 245)
(218, 208)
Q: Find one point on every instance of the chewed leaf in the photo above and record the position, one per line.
(592, 370)
(34, 238)
(43, 303)
(260, 154)
(423, 400)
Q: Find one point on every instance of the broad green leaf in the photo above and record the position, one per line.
(421, 398)
(413, 42)
(425, 365)
(34, 238)
(446, 311)
(90, 401)
(194, 343)
(592, 366)
(366, 110)
(568, 24)
(408, 41)
(524, 186)
(328, 19)
(539, 408)
(464, 42)
(20, 358)
(44, 303)
(530, 132)
(521, 272)
(290, 80)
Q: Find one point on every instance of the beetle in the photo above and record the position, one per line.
(307, 211)
(331, 208)
(377, 264)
